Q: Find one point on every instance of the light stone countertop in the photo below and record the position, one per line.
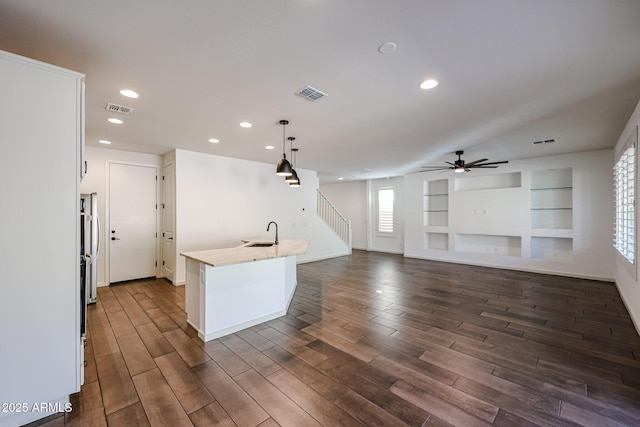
(244, 253)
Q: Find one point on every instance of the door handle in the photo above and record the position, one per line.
(169, 238)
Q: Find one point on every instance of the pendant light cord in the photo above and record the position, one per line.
(284, 144)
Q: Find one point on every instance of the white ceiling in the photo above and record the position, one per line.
(510, 72)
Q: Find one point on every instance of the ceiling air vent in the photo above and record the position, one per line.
(544, 141)
(311, 94)
(115, 108)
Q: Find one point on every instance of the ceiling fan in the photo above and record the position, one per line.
(460, 165)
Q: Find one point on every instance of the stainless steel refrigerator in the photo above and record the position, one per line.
(89, 246)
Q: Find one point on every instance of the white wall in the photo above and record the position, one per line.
(507, 212)
(221, 200)
(350, 198)
(96, 180)
(628, 285)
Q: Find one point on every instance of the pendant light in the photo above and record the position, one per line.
(294, 154)
(294, 176)
(284, 167)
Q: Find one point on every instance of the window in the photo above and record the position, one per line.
(385, 211)
(624, 172)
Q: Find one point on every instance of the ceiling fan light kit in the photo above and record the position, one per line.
(460, 166)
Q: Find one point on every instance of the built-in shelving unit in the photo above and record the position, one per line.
(552, 199)
(552, 248)
(436, 214)
(489, 244)
(552, 214)
(475, 215)
(435, 240)
(534, 214)
(436, 203)
(489, 182)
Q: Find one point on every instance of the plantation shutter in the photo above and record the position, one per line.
(385, 210)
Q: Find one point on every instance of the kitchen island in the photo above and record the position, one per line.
(231, 289)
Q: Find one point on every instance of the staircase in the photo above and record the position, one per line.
(333, 218)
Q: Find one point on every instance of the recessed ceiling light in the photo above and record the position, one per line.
(245, 124)
(214, 141)
(269, 147)
(340, 179)
(428, 84)
(129, 93)
(104, 141)
(114, 120)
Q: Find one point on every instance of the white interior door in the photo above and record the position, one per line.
(132, 222)
(168, 223)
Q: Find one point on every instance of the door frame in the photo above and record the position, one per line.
(171, 189)
(107, 212)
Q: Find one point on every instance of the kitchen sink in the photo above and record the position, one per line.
(260, 245)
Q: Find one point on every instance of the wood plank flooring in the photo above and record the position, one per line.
(370, 339)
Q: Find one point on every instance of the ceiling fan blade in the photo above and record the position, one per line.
(490, 163)
(476, 161)
(483, 167)
(435, 168)
(449, 163)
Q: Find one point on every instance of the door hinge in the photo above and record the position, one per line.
(163, 206)
(156, 177)
(162, 234)
(156, 206)
(156, 235)
(163, 263)
(163, 177)
(156, 263)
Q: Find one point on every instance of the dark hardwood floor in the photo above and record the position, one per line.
(370, 339)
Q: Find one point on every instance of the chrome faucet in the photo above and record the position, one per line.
(269, 225)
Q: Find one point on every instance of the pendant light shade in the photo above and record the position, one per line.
(284, 167)
(294, 176)
(293, 180)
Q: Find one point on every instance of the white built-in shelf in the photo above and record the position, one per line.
(437, 241)
(489, 244)
(552, 199)
(552, 248)
(489, 182)
(551, 188)
(436, 203)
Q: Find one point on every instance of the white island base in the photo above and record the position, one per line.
(223, 299)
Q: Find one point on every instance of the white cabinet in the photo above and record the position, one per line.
(41, 134)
